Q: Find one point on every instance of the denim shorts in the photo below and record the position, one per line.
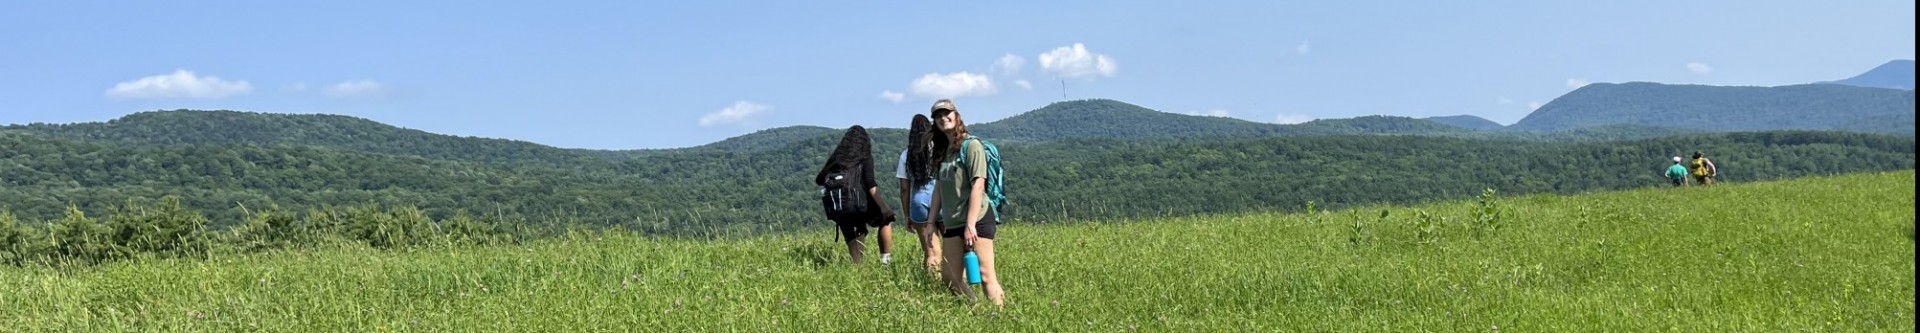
(922, 202)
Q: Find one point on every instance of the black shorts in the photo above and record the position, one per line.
(986, 227)
(857, 229)
(1679, 181)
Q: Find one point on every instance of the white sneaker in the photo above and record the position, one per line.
(886, 258)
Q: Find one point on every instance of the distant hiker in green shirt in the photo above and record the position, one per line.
(1677, 172)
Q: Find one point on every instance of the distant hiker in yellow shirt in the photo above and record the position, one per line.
(1703, 169)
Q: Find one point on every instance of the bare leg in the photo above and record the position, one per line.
(886, 239)
(953, 269)
(929, 244)
(988, 277)
(854, 247)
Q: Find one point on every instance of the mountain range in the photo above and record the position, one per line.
(1070, 160)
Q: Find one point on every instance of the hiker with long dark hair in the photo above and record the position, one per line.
(851, 197)
(916, 172)
(960, 202)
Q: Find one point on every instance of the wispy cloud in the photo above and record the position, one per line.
(1534, 105)
(891, 96)
(1291, 118)
(1076, 62)
(1304, 47)
(1024, 85)
(1505, 101)
(1699, 68)
(1008, 65)
(181, 84)
(1577, 83)
(739, 112)
(361, 88)
(956, 84)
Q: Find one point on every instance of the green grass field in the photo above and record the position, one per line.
(1824, 254)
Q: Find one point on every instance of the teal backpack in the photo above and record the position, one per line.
(996, 190)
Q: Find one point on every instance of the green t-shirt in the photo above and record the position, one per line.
(1677, 171)
(955, 186)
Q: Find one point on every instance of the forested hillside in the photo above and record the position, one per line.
(704, 191)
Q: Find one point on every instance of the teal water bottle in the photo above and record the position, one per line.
(973, 268)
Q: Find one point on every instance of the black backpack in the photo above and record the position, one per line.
(843, 197)
(843, 192)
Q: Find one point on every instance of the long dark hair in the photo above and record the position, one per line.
(920, 139)
(939, 144)
(854, 151)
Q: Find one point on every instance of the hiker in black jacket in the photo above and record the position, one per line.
(860, 207)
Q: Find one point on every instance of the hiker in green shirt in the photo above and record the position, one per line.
(960, 204)
(1677, 173)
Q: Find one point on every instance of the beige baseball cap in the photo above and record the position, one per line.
(942, 104)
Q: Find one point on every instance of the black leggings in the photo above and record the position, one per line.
(985, 227)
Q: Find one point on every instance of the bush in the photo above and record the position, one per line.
(271, 229)
(77, 239)
(19, 243)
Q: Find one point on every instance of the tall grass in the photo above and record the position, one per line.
(1817, 254)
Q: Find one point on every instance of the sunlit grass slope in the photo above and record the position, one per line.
(1817, 254)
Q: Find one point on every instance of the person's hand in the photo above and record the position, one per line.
(971, 235)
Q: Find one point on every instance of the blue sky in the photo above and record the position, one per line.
(623, 75)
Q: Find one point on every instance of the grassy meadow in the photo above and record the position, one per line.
(1828, 254)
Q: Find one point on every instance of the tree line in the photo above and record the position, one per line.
(707, 192)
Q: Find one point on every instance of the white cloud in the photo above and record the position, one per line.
(1577, 83)
(302, 86)
(1534, 105)
(1024, 85)
(1699, 68)
(1304, 48)
(956, 84)
(362, 88)
(891, 96)
(1212, 113)
(1286, 118)
(181, 84)
(741, 111)
(1075, 62)
(1008, 65)
(1505, 101)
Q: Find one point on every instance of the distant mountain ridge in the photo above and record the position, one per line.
(1110, 119)
(1722, 108)
(189, 128)
(1467, 122)
(1897, 74)
(1067, 120)
(1103, 118)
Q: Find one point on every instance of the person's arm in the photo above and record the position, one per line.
(906, 194)
(873, 189)
(933, 210)
(1712, 171)
(976, 207)
(977, 192)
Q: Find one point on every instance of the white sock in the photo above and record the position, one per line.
(886, 258)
